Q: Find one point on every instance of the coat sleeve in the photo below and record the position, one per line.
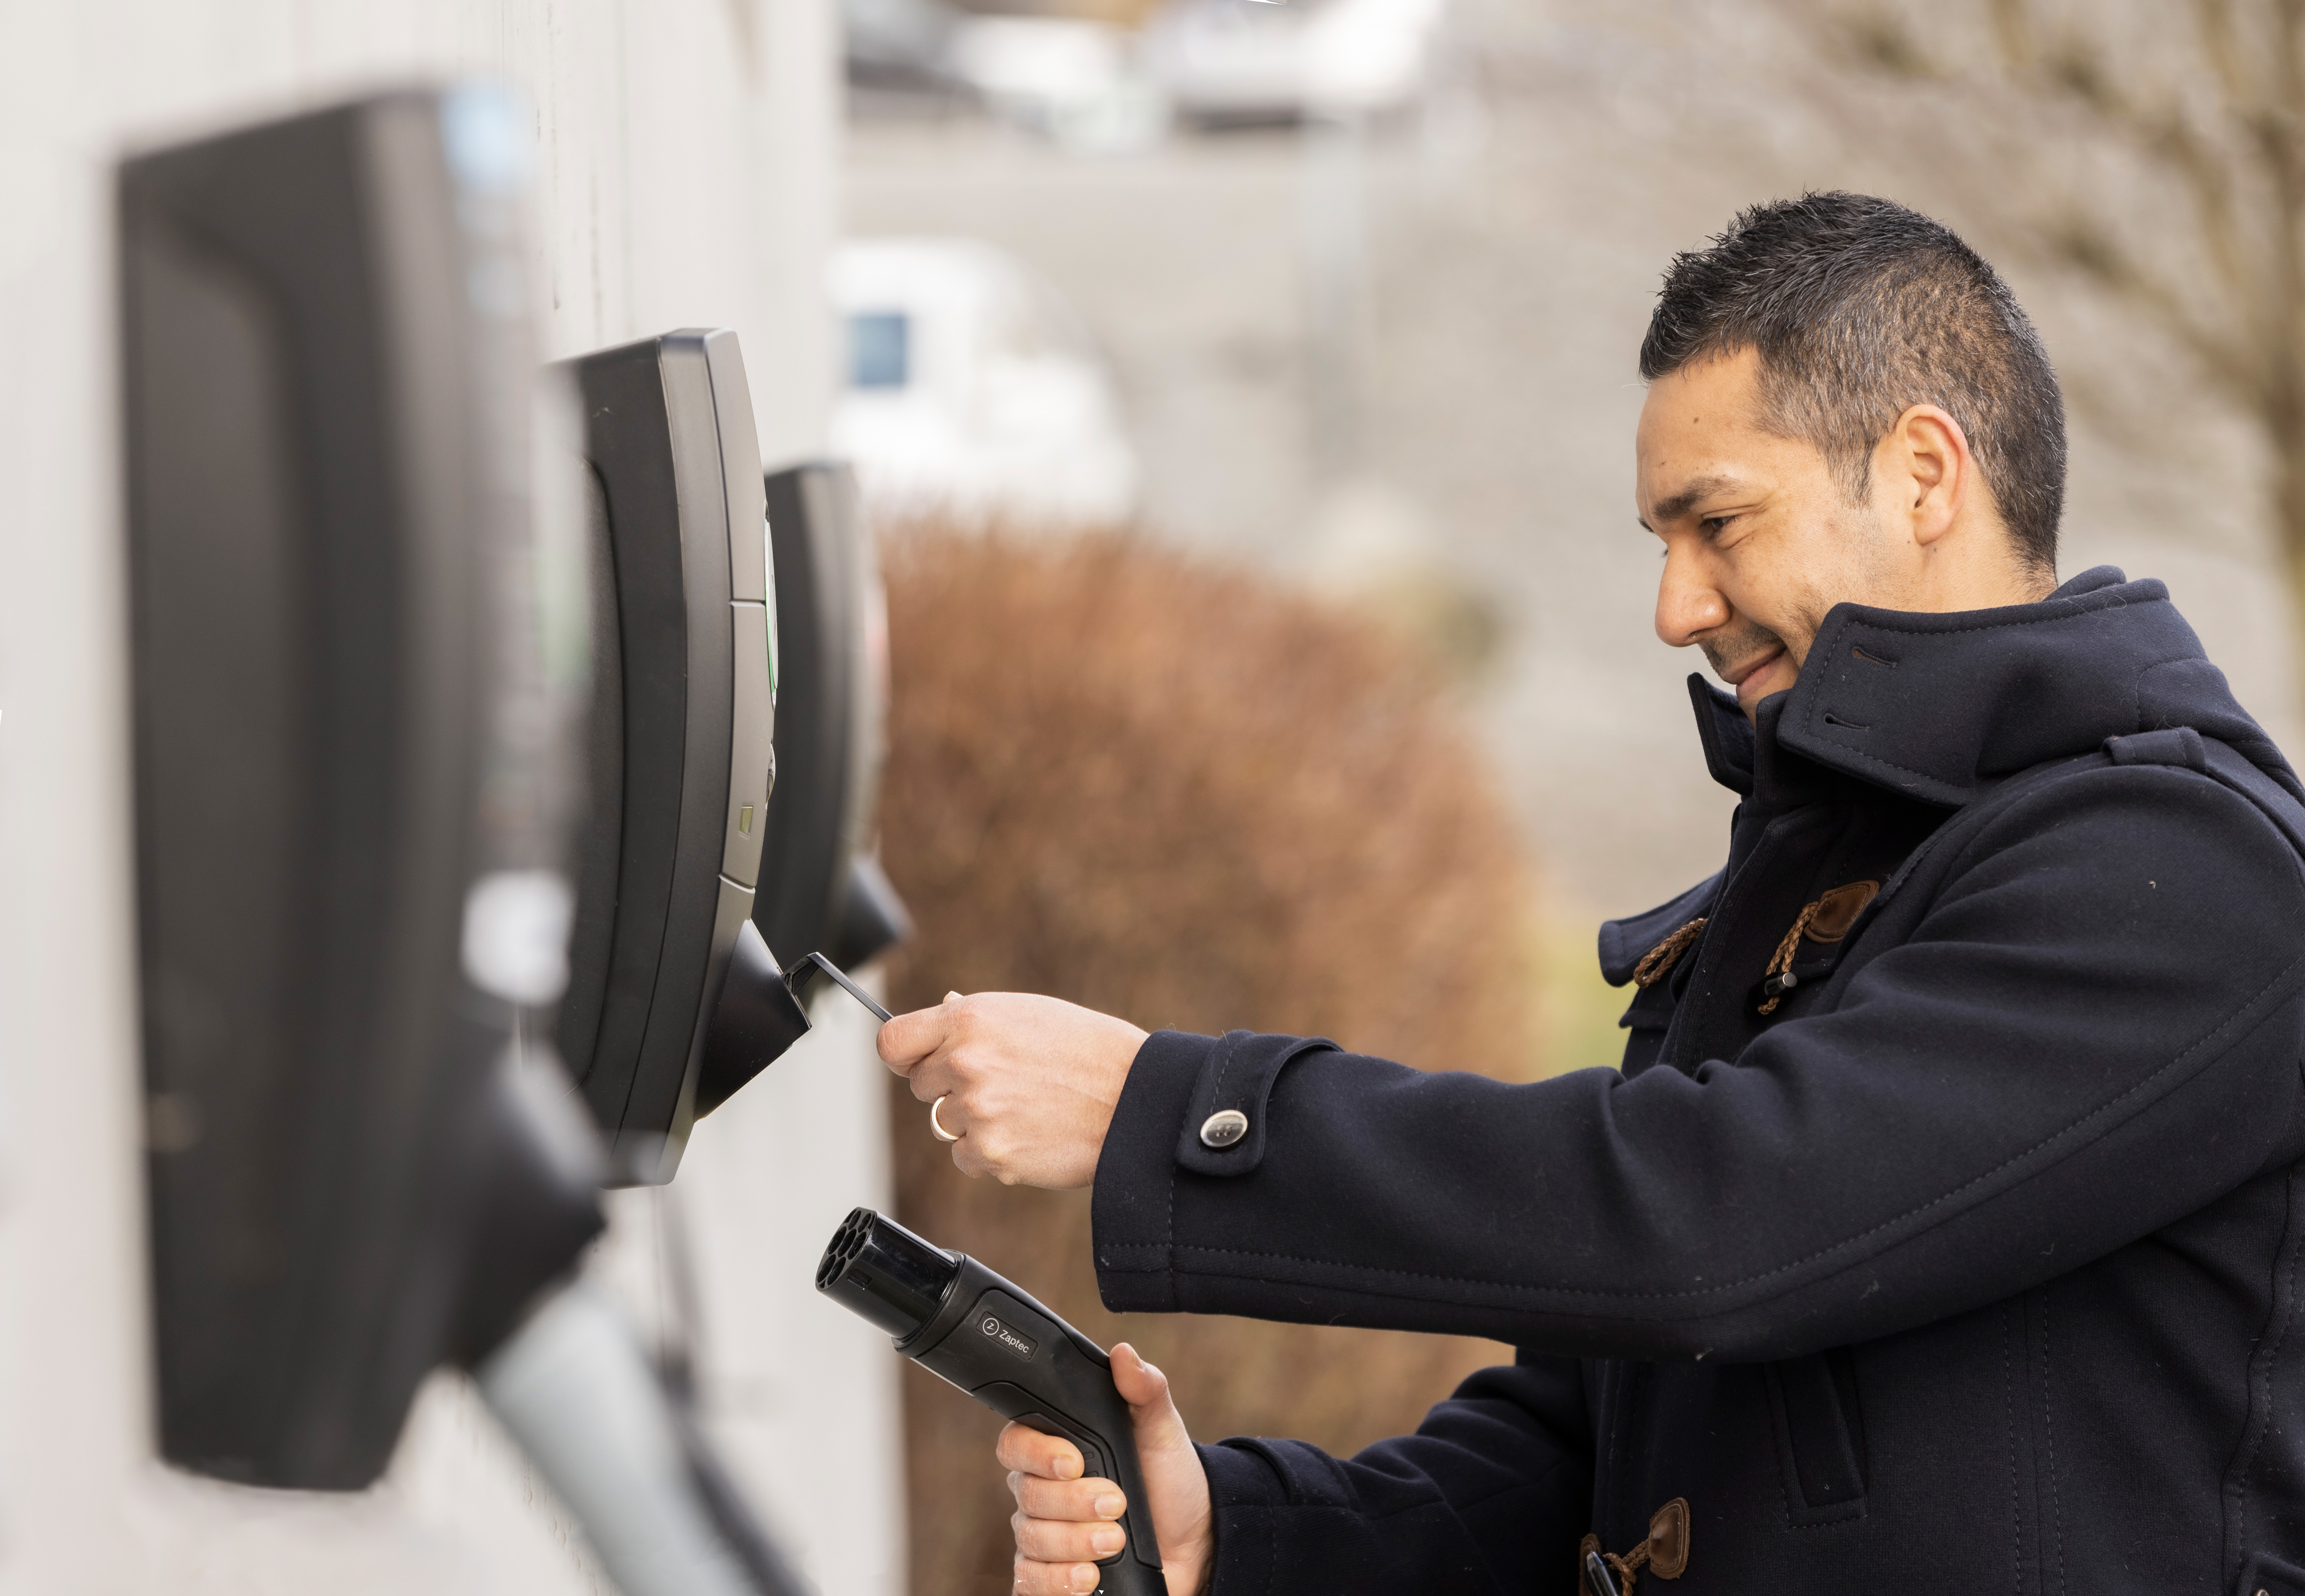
(2091, 1031)
(1497, 1483)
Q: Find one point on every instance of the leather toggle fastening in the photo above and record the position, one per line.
(1824, 921)
(1665, 1554)
(1224, 1128)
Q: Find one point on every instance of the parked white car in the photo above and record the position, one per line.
(973, 390)
(1227, 61)
(1075, 82)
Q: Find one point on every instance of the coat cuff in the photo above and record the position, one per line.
(1245, 1497)
(1191, 1102)
(1130, 1207)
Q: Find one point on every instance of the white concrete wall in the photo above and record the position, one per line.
(686, 173)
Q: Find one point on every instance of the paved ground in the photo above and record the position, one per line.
(1512, 242)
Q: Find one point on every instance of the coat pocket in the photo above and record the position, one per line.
(1820, 1436)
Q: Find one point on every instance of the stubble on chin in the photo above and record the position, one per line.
(1726, 652)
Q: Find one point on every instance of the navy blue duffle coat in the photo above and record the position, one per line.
(1942, 1232)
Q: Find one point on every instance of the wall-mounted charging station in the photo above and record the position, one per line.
(683, 713)
(360, 688)
(740, 643)
(350, 704)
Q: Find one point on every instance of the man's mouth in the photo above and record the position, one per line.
(1751, 665)
(1741, 657)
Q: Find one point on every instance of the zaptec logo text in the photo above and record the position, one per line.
(1023, 1345)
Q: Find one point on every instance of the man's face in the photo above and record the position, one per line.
(1759, 539)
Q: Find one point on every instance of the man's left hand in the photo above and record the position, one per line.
(1029, 1083)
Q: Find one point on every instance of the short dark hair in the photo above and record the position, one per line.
(1859, 309)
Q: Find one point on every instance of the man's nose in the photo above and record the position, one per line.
(1688, 605)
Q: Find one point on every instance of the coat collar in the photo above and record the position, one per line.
(1938, 706)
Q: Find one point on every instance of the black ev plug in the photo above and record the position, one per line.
(966, 1325)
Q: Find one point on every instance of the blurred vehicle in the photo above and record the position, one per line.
(900, 43)
(1074, 81)
(1235, 62)
(973, 390)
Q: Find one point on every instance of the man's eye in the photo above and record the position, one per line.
(1712, 525)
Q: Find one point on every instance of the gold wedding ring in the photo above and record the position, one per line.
(936, 1124)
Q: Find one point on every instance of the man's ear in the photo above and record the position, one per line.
(1925, 467)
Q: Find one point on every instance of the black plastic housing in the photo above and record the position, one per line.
(879, 1270)
(968, 1326)
(681, 751)
(821, 886)
(350, 703)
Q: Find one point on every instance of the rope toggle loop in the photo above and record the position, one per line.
(1659, 960)
(1780, 978)
(1826, 921)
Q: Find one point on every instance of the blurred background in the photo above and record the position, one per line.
(1243, 395)
(1342, 297)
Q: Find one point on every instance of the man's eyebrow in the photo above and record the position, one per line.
(1698, 488)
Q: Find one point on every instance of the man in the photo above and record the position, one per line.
(1943, 1231)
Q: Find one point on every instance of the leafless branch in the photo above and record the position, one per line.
(2214, 20)
(2084, 245)
(2013, 31)
(2210, 180)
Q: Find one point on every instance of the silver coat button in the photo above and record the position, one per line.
(1223, 1128)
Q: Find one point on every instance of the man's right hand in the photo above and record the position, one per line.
(1064, 1524)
